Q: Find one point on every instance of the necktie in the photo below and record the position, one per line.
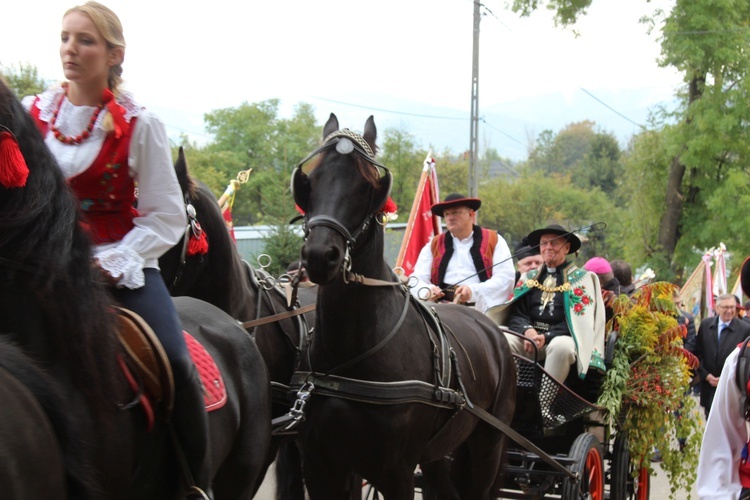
(722, 326)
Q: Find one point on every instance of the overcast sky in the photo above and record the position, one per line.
(186, 58)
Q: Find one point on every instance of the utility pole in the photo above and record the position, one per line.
(474, 130)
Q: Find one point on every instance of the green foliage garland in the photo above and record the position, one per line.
(646, 387)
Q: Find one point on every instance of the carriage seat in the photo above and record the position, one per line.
(590, 387)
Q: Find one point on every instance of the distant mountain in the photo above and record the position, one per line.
(509, 127)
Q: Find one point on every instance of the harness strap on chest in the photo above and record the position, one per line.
(368, 391)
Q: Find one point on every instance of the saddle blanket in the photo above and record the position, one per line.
(214, 391)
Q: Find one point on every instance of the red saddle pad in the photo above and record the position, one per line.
(214, 391)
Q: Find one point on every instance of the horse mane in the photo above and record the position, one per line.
(368, 171)
(227, 282)
(231, 269)
(41, 234)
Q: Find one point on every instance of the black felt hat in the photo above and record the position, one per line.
(536, 235)
(524, 250)
(455, 200)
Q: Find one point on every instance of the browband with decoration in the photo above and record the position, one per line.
(352, 135)
(342, 139)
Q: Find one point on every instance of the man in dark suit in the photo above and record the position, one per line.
(717, 338)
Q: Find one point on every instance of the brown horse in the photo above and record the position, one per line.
(61, 322)
(387, 390)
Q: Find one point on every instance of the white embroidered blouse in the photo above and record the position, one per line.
(162, 218)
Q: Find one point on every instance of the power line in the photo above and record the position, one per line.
(183, 130)
(610, 107)
(500, 131)
(389, 110)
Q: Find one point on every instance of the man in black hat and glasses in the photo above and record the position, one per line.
(559, 308)
(467, 263)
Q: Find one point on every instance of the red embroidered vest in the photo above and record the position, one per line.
(105, 190)
(481, 251)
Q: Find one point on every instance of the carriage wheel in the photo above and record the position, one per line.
(623, 485)
(587, 454)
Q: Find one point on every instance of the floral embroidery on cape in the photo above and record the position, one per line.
(580, 300)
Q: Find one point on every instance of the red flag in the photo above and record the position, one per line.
(422, 225)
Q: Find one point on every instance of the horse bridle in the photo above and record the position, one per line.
(345, 142)
(193, 227)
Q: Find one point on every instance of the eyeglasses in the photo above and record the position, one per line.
(726, 308)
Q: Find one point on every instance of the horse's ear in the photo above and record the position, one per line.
(371, 132)
(332, 125)
(180, 164)
(300, 189)
(187, 184)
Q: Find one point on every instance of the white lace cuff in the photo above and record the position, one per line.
(125, 265)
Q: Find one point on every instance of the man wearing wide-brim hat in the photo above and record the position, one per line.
(467, 263)
(559, 308)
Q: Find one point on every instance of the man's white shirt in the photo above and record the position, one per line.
(461, 271)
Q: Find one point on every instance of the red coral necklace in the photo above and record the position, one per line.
(66, 139)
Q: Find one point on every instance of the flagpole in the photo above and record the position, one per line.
(426, 172)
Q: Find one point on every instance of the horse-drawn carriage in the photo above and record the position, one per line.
(583, 456)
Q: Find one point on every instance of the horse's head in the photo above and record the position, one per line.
(341, 188)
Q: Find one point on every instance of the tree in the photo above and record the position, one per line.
(645, 170)
(24, 80)
(600, 164)
(252, 135)
(590, 157)
(515, 207)
(566, 11)
(401, 155)
(708, 146)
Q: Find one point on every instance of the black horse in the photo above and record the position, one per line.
(387, 391)
(61, 321)
(28, 440)
(221, 277)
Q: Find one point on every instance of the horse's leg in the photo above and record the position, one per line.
(396, 484)
(289, 485)
(477, 463)
(326, 480)
(437, 481)
(484, 451)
